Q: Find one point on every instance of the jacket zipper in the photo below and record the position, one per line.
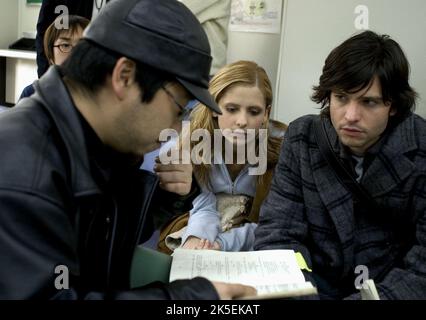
(113, 224)
(233, 183)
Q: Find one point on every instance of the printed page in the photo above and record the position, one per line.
(263, 269)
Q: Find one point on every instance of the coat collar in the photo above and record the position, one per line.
(66, 120)
(389, 167)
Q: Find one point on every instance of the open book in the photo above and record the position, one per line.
(274, 273)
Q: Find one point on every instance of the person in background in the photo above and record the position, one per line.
(225, 214)
(58, 43)
(214, 18)
(345, 236)
(74, 204)
(50, 10)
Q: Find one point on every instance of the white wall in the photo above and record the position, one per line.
(263, 48)
(28, 15)
(17, 17)
(312, 28)
(8, 25)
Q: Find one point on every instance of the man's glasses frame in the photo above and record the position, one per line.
(184, 112)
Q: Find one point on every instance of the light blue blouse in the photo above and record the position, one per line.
(204, 221)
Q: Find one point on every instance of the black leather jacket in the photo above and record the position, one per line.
(54, 211)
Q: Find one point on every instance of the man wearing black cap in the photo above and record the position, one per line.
(73, 204)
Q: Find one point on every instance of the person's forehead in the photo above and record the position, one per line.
(372, 89)
(70, 33)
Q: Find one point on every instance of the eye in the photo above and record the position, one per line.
(369, 102)
(231, 109)
(340, 97)
(254, 112)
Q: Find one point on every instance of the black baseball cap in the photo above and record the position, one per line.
(163, 34)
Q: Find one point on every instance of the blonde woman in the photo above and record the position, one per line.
(243, 92)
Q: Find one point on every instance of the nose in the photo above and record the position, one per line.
(241, 120)
(353, 111)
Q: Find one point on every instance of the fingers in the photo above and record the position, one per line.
(216, 246)
(228, 291)
(200, 244)
(191, 243)
(173, 176)
(178, 188)
(172, 167)
(176, 178)
(159, 167)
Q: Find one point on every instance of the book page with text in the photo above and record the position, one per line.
(267, 270)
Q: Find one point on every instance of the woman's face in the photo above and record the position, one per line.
(64, 44)
(243, 107)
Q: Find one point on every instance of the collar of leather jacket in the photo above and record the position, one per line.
(66, 120)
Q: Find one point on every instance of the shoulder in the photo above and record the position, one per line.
(411, 129)
(24, 133)
(28, 91)
(419, 125)
(301, 128)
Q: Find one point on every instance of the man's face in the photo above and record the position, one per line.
(360, 118)
(141, 123)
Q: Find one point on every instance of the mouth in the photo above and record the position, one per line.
(351, 131)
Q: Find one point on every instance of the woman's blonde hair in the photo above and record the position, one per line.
(240, 73)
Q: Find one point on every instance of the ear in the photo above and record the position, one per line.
(123, 77)
(214, 114)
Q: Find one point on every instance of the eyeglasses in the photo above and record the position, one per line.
(64, 47)
(184, 112)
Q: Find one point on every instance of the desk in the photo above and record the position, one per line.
(18, 69)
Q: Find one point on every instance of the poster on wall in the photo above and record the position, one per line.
(37, 2)
(256, 16)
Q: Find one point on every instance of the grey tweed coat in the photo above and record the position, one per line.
(308, 210)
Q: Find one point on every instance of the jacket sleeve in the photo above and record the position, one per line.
(204, 220)
(37, 234)
(238, 239)
(208, 9)
(282, 222)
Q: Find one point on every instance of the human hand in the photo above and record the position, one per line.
(191, 243)
(205, 244)
(227, 291)
(176, 178)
